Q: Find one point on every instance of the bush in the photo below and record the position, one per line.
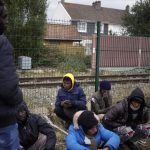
(87, 61)
(54, 58)
(73, 63)
(50, 57)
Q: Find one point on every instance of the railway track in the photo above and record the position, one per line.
(89, 80)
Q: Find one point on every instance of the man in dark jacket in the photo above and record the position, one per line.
(70, 99)
(10, 94)
(34, 131)
(129, 117)
(102, 100)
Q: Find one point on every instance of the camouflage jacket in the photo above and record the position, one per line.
(99, 104)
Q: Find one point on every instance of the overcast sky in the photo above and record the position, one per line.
(119, 4)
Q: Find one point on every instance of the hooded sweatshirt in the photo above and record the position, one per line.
(69, 75)
(134, 115)
(75, 94)
(30, 129)
(119, 115)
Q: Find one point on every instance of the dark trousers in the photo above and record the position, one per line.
(66, 114)
(40, 143)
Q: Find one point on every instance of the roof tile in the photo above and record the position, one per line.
(87, 12)
(61, 32)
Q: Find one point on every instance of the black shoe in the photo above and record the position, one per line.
(131, 145)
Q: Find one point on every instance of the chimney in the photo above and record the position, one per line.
(97, 4)
(62, 1)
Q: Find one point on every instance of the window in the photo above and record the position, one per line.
(82, 26)
(106, 29)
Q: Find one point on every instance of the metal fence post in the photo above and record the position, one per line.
(97, 56)
(140, 51)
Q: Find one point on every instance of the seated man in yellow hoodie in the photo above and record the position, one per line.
(70, 98)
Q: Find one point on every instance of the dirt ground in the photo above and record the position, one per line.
(41, 100)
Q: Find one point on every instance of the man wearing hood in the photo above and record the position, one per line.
(128, 118)
(70, 98)
(34, 131)
(87, 134)
(10, 93)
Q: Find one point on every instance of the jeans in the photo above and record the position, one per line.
(9, 138)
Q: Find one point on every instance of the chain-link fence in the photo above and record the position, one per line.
(63, 47)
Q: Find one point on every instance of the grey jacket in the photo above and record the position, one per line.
(99, 104)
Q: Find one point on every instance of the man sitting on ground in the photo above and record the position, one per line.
(70, 99)
(87, 134)
(128, 119)
(34, 131)
(101, 100)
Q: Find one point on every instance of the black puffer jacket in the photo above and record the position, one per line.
(118, 115)
(34, 125)
(10, 94)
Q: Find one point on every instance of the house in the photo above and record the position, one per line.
(86, 16)
(64, 38)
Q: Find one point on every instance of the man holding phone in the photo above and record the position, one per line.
(70, 98)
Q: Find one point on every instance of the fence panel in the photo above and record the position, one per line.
(42, 61)
(123, 51)
(66, 47)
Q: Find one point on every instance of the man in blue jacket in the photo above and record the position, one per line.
(70, 98)
(87, 134)
(10, 94)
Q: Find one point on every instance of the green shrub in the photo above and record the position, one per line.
(50, 57)
(72, 64)
(87, 61)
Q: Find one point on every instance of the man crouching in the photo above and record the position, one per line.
(34, 131)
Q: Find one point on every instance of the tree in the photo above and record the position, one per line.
(137, 21)
(26, 25)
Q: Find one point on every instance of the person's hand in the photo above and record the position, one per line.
(66, 104)
(93, 100)
(105, 94)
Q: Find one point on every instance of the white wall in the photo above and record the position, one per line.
(60, 14)
(117, 29)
